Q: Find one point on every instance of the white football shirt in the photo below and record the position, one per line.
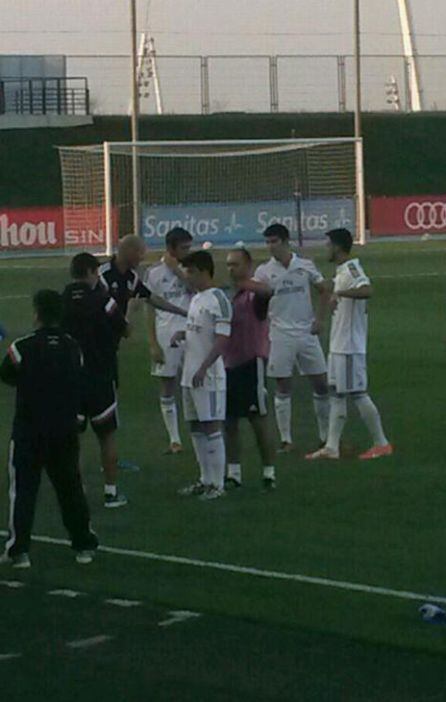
(162, 281)
(290, 309)
(210, 313)
(348, 332)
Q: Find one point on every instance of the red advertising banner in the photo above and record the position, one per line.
(420, 214)
(36, 228)
(43, 229)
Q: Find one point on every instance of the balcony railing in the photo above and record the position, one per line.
(44, 96)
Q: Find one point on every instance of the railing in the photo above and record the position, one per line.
(43, 96)
(262, 83)
(210, 84)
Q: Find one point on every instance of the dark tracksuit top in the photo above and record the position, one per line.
(123, 287)
(45, 367)
(93, 318)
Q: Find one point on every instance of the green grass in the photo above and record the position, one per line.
(379, 524)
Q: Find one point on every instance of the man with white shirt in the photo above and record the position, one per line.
(208, 328)
(294, 327)
(347, 363)
(167, 280)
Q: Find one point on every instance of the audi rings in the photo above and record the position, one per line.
(425, 215)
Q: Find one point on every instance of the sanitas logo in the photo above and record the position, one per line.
(154, 227)
(26, 234)
(310, 223)
(227, 222)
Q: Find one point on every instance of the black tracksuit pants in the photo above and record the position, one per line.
(59, 456)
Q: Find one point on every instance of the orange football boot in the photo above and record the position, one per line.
(376, 452)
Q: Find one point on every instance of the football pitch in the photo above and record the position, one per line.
(307, 593)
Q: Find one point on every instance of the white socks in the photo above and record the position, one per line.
(111, 490)
(371, 418)
(170, 417)
(369, 415)
(235, 471)
(216, 459)
(211, 456)
(338, 417)
(282, 406)
(321, 404)
(269, 472)
(200, 444)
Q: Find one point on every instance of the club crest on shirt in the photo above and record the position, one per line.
(353, 270)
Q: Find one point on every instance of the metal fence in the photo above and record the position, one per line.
(42, 96)
(292, 83)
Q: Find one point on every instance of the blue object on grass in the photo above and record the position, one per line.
(432, 613)
(3, 332)
(128, 466)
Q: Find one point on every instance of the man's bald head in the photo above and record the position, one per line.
(131, 251)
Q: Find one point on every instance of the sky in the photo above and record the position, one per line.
(212, 27)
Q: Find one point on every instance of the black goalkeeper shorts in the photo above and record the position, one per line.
(246, 390)
(100, 405)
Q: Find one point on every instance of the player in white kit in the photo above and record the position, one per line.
(167, 280)
(294, 328)
(203, 380)
(347, 364)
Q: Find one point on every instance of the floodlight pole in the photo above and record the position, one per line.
(360, 191)
(410, 55)
(135, 121)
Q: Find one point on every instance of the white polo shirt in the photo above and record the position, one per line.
(348, 332)
(290, 308)
(162, 281)
(210, 313)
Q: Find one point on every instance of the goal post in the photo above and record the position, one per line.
(221, 191)
(360, 229)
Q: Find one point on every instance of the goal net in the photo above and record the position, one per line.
(222, 192)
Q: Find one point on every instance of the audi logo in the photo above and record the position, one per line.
(425, 215)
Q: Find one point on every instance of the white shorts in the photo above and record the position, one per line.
(173, 357)
(304, 352)
(202, 405)
(347, 373)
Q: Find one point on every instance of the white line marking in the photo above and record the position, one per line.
(14, 584)
(9, 656)
(89, 643)
(124, 603)
(178, 616)
(257, 572)
(22, 267)
(408, 275)
(14, 297)
(66, 593)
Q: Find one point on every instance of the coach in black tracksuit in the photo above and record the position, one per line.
(46, 369)
(93, 318)
(119, 278)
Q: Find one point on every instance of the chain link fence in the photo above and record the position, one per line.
(209, 84)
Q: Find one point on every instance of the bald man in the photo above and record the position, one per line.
(121, 280)
(119, 277)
